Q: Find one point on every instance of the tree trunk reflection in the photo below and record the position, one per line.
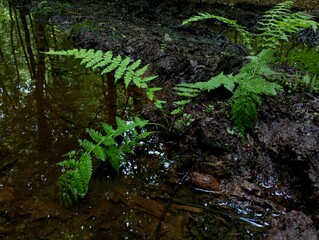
(110, 99)
(38, 75)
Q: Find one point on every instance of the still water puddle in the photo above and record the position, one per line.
(46, 104)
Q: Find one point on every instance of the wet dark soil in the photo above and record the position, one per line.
(274, 172)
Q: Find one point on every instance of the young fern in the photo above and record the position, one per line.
(247, 36)
(276, 25)
(130, 71)
(247, 87)
(190, 91)
(73, 184)
(307, 58)
(280, 24)
(78, 167)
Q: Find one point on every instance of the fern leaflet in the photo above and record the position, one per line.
(102, 146)
(276, 25)
(279, 23)
(247, 86)
(232, 23)
(107, 63)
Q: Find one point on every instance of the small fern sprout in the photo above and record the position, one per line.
(102, 146)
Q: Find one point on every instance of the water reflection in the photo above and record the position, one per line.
(54, 97)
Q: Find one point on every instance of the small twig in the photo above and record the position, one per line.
(180, 181)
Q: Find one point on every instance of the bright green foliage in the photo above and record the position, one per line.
(247, 87)
(308, 59)
(74, 182)
(190, 91)
(277, 25)
(126, 69)
(103, 147)
(252, 83)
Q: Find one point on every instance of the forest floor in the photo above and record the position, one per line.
(275, 169)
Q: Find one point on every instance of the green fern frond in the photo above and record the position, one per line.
(232, 23)
(194, 89)
(244, 110)
(220, 80)
(159, 104)
(180, 106)
(88, 145)
(276, 25)
(109, 140)
(85, 169)
(108, 129)
(134, 65)
(138, 80)
(92, 58)
(251, 85)
(126, 69)
(247, 86)
(259, 85)
(74, 183)
(279, 23)
(186, 91)
(182, 102)
(117, 157)
(307, 59)
(129, 74)
(151, 92)
(259, 64)
(121, 69)
(78, 168)
(189, 91)
(95, 135)
(114, 64)
(99, 153)
(311, 82)
(106, 60)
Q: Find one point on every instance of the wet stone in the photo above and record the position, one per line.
(204, 181)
